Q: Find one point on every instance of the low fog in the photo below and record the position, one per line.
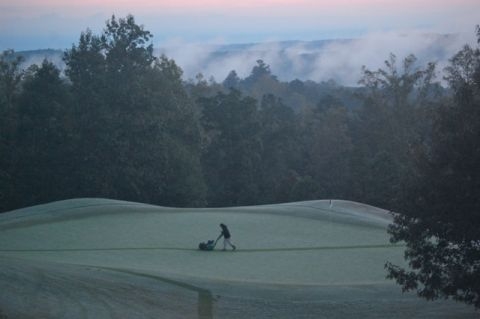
(340, 60)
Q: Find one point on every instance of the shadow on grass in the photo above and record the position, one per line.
(205, 297)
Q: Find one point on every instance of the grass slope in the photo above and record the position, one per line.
(333, 250)
(299, 243)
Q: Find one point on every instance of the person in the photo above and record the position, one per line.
(226, 237)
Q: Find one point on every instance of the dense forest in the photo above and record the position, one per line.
(122, 123)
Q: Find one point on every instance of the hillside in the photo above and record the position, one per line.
(94, 258)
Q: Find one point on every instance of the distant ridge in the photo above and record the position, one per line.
(340, 60)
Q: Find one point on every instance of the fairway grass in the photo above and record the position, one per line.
(321, 254)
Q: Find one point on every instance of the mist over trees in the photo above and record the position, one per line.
(122, 123)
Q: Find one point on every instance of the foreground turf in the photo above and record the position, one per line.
(324, 254)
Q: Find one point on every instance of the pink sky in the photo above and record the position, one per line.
(190, 5)
(249, 3)
(57, 23)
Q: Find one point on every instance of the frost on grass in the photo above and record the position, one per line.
(95, 258)
(316, 242)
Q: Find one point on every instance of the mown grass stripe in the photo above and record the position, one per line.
(286, 249)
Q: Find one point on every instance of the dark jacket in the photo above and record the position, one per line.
(225, 232)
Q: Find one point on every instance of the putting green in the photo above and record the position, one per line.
(308, 243)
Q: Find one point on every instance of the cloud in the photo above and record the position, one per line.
(340, 60)
(343, 61)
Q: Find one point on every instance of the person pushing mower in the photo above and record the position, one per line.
(226, 237)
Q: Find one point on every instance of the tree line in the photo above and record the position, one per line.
(121, 123)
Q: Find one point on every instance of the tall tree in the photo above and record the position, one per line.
(280, 153)
(327, 148)
(440, 218)
(232, 152)
(86, 69)
(232, 81)
(11, 75)
(138, 134)
(43, 145)
(260, 82)
(388, 128)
